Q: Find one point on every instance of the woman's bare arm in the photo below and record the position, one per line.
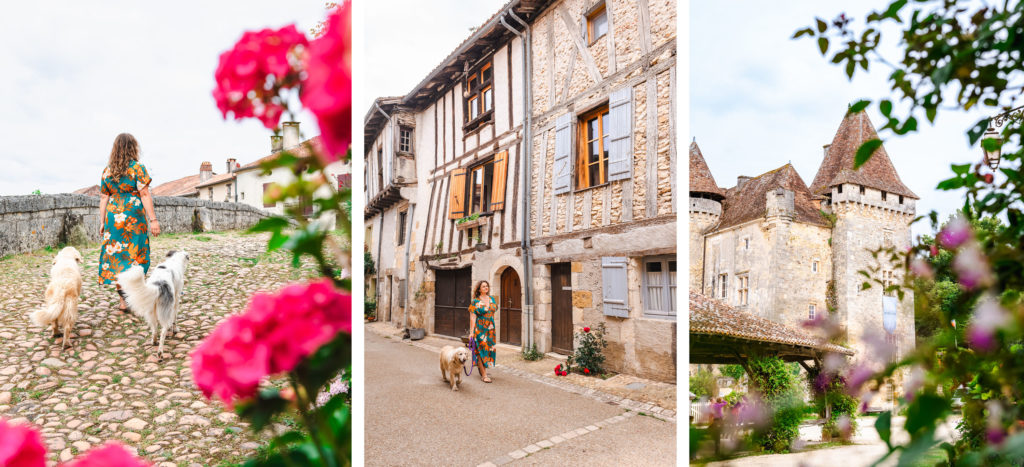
(103, 212)
(147, 203)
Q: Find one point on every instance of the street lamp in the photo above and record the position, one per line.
(992, 157)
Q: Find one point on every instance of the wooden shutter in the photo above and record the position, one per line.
(457, 194)
(614, 286)
(563, 153)
(498, 177)
(620, 150)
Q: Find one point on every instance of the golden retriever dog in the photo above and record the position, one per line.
(61, 307)
(452, 360)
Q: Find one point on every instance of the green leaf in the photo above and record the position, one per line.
(262, 408)
(277, 240)
(865, 151)
(883, 425)
(917, 448)
(961, 169)
(270, 224)
(951, 184)
(924, 412)
(975, 133)
(908, 126)
(803, 32)
(885, 107)
(859, 106)
(823, 45)
(822, 26)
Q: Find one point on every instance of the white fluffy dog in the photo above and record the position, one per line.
(156, 300)
(452, 360)
(61, 308)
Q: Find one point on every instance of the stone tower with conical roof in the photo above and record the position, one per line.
(871, 210)
(705, 211)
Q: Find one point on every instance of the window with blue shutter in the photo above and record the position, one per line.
(620, 148)
(615, 290)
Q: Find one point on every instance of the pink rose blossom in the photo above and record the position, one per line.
(274, 334)
(972, 268)
(250, 75)
(921, 268)
(327, 90)
(988, 318)
(955, 233)
(111, 454)
(21, 446)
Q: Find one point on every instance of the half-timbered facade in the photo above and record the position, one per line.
(603, 195)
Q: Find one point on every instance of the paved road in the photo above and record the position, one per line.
(413, 418)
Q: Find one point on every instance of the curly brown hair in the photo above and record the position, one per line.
(476, 290)
(125, 150)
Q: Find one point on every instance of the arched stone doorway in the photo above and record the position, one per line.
(511, 306)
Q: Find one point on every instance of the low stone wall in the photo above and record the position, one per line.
(36, 221)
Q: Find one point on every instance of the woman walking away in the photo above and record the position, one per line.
(481, 325)
(126, 213)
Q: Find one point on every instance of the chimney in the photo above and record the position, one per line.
(205, 171)
(232, 164)
(825, 150)
(741, 180)
(275, 143)
(291, 135)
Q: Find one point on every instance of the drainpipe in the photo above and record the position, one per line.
(408, 246)
(526, 163)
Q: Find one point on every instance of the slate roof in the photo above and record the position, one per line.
(184, 186)
(837, 167)
(712, 317)
(748, 203)
(701, 180)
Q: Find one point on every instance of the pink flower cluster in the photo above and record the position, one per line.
(273, 335)
(21, 446)
(250, 75)
(327, 90)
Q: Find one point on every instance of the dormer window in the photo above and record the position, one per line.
(901, 199)
(884, 195)
(862, 189)
(479, 93)
(597, 23)
(405, 139)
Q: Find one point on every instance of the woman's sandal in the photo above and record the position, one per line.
(486, 379)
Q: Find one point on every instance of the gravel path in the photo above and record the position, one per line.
(110, 385)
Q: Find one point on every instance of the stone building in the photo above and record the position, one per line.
(578, 236)
(776, 248)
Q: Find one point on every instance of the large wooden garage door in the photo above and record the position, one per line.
(451, 302)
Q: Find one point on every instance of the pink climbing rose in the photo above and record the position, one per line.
(956, 232)
(21, 446)
(274, 334)
(327, 90)
(111, 454)
(250, 75)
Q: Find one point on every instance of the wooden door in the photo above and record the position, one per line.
(561, 309)
(451, 302)
(511, 308)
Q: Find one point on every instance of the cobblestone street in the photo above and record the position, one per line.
(110, 385)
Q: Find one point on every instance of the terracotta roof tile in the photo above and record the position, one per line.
(302, 151)
(837, 167)
(710, 316)
(701, 180)
(746, 203)
(181, 187)
(216, 179)
(89, 191)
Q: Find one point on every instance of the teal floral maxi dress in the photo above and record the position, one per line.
(484, 332)
(126, 234)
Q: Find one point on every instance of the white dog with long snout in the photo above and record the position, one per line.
(156, 300)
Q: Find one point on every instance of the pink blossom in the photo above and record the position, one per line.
(21, 446)
(934, 250)
(111, 454)
(914, 382)
(274, 334)
(994, 430)
(327, 90)
(955, 233)
(921, 268)
(972, 268)
(988, 318)
(845, 426)
(859, 375)
(250, 75)
(865, 400)
(833, 363)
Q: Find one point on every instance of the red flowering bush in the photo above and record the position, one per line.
(110, 455)
(327, 91)
(272, 336)
(586, 329)
(251, 75)
(21, 446)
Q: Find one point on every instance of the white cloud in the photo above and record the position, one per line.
(78, 73)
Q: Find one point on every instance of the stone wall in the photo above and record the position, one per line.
(36, 221)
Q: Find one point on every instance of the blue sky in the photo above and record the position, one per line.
(759, 100)
(78, 73)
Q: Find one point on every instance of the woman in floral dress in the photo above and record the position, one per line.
(126, 213)
(481, 322)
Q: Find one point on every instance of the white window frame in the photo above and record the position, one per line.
(667, 286)
(812, 311)
(743, 288)
(814, 265)
(724, 285)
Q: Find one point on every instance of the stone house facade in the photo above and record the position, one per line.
(779, 249)
(502, 190)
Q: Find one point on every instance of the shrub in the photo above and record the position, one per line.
(779, 391)
(368, 267)
(589, 356)
(702, 383)
(735, 372)
(532, 354)
(369, 309)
